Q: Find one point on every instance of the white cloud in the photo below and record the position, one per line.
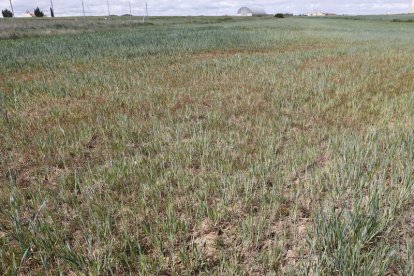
(206, 7)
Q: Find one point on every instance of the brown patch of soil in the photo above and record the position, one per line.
(294, 248)
(206, 240)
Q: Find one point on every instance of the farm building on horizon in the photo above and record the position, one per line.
(245, 11)
(320, 14)
(29, 14)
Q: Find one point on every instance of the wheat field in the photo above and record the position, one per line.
(207, 146)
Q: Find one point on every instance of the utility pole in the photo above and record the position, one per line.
(52, 10)
(11, 6)
(109, 11)
(146, 11)
(83, 8)
(130, 10)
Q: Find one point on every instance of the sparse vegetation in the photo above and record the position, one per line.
(207, 146)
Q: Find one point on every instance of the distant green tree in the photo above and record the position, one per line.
(7, 13)
(280, 15)
(38, 12)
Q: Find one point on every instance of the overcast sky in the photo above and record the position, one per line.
(209, 7)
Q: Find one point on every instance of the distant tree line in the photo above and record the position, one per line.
(7, 13)
(283, 15)
(37, 12)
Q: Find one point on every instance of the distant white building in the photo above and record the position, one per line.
(29, 14)
(245, 11)
(315, 14)
(321, 14)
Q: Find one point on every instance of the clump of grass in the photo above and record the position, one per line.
(358, 231)
(355, 242)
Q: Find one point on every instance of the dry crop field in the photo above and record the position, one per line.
(222, 146)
